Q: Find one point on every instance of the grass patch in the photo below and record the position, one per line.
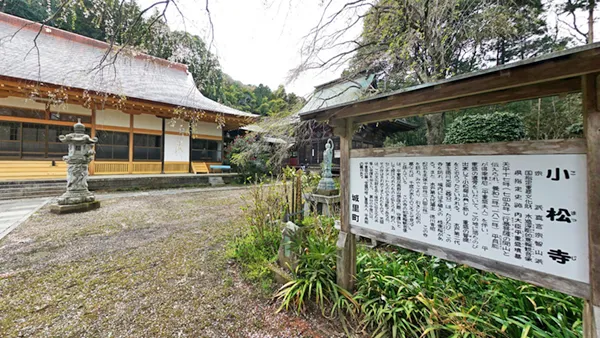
(254, 253)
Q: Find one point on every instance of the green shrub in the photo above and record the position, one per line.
(400, 293)
(314, 277)
(407, 294)
(249, 157)
(576, 129)
(254, 253)
(483, 128)
(256, 248)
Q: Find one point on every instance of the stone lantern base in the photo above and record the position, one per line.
(76, 197)
(71, 208)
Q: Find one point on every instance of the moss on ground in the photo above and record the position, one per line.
(146, 267)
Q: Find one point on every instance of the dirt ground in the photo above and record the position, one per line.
(149, 266)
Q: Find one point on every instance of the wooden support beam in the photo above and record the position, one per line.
(570, 85)
(346, 245)
(592, 134)
(569, 146)
(132, 105)
(559, 67)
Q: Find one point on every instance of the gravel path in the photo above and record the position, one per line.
(149, 266)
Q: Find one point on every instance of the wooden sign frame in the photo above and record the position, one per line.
(575, 70)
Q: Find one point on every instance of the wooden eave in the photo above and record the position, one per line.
(130, 105)
(552, 74)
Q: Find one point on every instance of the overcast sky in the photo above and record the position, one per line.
(258, 41)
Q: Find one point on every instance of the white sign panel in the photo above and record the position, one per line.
(525, 210)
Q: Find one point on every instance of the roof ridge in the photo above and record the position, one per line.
(82, 39)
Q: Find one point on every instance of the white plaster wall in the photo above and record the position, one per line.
(177, 148)
(145, 121)
(20, 102)
(111, 117)
(177, 126)
(207, 128)
(71, 108)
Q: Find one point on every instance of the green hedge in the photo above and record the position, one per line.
(484, 128)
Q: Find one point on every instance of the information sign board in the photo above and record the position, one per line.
(524, 210)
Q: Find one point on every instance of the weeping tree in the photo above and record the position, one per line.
(412, 42)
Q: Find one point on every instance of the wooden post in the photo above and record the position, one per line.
(298, 197)
(130, 143)
(162, 148)
(591, 120)
(92, 168)
(346, 245)
(190, 141)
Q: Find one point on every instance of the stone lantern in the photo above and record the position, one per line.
(77, 197)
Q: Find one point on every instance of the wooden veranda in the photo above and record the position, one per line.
(570, 71)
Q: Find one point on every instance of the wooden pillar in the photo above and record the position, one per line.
(190, 169)
(591, 120)
(91, 168)
(130, 143)
(162, 148)
(346, 245)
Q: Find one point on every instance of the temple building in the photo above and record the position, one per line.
(147, 113)
(309, 153)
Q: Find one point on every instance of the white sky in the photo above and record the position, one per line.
(258, 41)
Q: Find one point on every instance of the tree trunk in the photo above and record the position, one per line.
(591, 7)
(435, 128)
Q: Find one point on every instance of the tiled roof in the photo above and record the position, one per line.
(72, 60)
(337, 92)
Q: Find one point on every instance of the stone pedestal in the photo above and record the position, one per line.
(321, 204)
(71, 208)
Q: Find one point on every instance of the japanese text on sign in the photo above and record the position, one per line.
(524, 210)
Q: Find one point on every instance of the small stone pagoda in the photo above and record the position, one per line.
(77, 198)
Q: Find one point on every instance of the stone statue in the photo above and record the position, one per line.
(80, 155)
(326, 184)
(327, 159)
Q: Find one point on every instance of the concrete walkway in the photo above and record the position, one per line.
(15, 212)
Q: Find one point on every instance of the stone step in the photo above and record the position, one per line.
(29, 182)
(31, 189)
(24, 195)
(32, 186)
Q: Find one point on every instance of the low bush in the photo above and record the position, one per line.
(407, 294)
(254, 253)
(256, 248)
(314, 277)
(400, 293)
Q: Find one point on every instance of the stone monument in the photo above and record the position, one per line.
(326, 184)
(77, 198)
(326, 199)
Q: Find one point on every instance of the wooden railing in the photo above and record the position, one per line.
(177, 167)
(25, 170)
(147, 167)
(111, 168)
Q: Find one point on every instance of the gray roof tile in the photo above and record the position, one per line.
(71, 60)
